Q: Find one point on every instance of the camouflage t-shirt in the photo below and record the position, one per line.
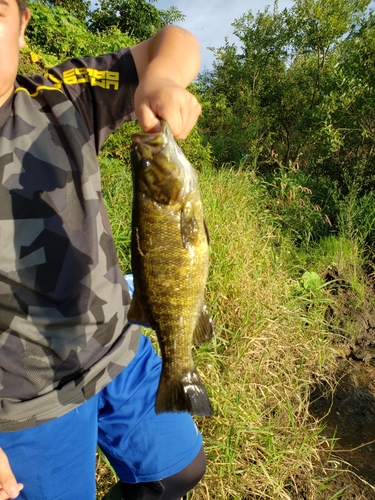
(63, 300)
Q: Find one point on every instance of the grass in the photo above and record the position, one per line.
(270, 343)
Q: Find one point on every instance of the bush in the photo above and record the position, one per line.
(55, 35)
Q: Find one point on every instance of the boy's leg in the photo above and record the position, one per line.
(158, 454)
(56, 460)
(169, 488)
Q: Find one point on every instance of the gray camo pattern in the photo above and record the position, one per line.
(63, 299)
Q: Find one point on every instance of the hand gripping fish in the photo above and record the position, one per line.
(170, 266)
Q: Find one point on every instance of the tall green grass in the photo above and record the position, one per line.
(271, 340)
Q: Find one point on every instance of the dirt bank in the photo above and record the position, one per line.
(349, 411)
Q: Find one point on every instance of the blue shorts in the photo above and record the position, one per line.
(56, 460)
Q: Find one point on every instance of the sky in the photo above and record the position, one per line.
(210, 20)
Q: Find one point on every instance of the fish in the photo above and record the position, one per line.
(170, 262)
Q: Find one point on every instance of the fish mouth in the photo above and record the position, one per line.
(155, 141)
(162, 165)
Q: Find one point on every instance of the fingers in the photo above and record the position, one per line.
(9, 488)
(172, 103)
(148, 119)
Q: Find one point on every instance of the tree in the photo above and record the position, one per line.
(348, 110)
(78, 8)
(56, 34)
(318, 26)
(140, 19)
(289, 90)
(238, 94)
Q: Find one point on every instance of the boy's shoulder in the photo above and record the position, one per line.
(33, 84)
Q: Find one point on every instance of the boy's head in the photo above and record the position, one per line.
(14, 16)
(22, 6)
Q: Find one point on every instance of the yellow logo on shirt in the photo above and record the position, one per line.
(96, 78)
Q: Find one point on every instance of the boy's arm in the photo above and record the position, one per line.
(166, 64)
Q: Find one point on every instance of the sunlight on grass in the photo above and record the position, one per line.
(259, 368)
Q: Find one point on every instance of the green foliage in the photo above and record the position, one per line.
(232, 93)
(349, 110)
(55, 34)
(356, 219)
(311, 281)
(78, 8)
(318, 25)
(281, 92)
(140, 19)
(264, 40)
(299, 91)
(291, 201)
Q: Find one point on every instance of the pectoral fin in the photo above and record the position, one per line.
(189, 227)
(136, 313)
(203, 331)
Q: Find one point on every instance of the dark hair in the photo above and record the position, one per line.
(22, 6)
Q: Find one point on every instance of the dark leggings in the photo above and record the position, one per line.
(172, 487)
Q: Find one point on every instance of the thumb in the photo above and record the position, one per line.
(9, 488)
(148, 120)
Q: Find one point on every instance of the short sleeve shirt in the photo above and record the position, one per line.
(63, 300)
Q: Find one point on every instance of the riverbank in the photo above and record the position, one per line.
(348, 410)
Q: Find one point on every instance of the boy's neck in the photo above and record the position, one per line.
(4, 98)
(5, 108)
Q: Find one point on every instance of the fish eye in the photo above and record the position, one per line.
(146, 163)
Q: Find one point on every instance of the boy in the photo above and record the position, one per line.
(73, 372)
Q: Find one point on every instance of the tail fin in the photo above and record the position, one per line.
(183, 394)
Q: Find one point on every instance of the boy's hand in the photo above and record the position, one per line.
(163, 98)
(9, 488)
(166, 64)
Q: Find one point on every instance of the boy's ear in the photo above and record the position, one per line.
(24, 20)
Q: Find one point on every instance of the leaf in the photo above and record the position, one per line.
(34, 57)
(311, 281)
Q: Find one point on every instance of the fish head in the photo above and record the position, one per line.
(160, 169)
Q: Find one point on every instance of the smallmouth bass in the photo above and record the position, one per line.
(170, 266)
